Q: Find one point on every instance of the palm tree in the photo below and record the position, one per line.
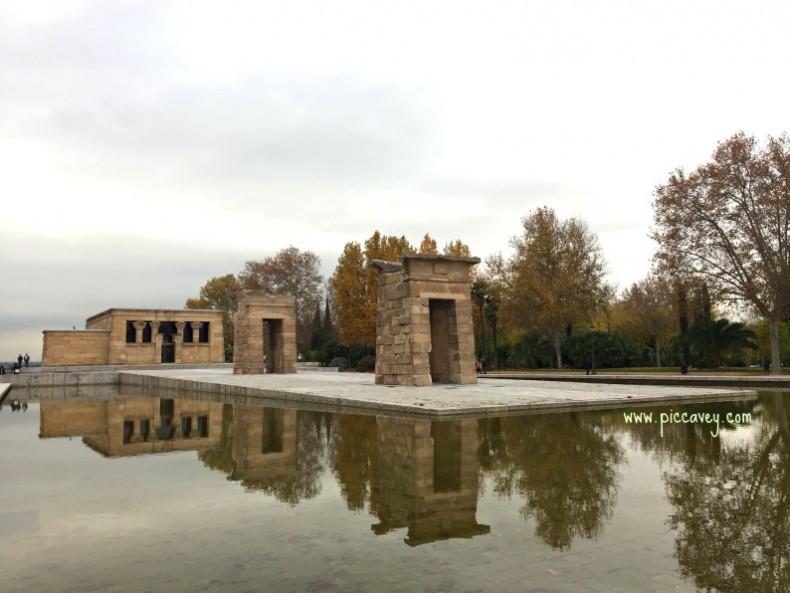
(713, 340)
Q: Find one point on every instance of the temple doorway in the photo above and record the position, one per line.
(442, 319)
(273, 346)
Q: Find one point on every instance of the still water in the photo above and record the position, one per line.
(135, 494)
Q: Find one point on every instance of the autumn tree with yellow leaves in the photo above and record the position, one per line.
(217, 294)
(647, 311)
(555, 278)
(354, 287)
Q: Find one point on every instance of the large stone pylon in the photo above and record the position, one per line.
(424, 331)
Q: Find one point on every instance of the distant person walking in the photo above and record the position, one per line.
(20, 358)
(27, 360)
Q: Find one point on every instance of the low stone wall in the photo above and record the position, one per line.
(75, 376)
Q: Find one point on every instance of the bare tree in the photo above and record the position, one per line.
(729, 222)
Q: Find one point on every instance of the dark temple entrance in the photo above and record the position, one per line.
(168, 330)
(273, 346)
(447, 448)
(443, 343)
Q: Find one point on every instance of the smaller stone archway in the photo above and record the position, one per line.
(265, 333)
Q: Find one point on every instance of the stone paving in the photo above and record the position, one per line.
(489, 397)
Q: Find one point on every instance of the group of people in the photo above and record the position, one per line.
(17, 366)
(16, 406)
(481, 366)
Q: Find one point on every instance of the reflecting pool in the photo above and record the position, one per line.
(123, 493)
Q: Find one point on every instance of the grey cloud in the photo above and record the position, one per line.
(103, 86)
(112, 39)
(275, 131)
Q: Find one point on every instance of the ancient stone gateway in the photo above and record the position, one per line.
(424, 331)
(265, 333)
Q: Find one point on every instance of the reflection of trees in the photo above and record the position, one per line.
(311, 446)
(564, 464)
(731, 510)
(356, 461)
(290, 474)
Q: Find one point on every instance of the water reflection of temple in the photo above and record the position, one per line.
(263, 445)
(421, 475)
(428, 479)
(135, 426)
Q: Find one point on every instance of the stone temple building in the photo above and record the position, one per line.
(139, 336)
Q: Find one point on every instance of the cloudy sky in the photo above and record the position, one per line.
(147, 146)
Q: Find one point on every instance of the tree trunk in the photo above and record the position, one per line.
(658, 352)
(776, 362)
(683, 320)
(483, 341)
(558, 349)
(497, 363)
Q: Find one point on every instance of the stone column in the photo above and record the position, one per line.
(136, 436)
(139, 326)
(179, 343)
(156, 338)
(196, 325)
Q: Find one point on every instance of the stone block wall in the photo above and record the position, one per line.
(75, 347)
(424, 330)
(264, 323)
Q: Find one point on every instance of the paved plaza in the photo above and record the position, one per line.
(350, 391)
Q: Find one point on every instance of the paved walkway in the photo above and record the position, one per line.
(357, 391)
(696, 379)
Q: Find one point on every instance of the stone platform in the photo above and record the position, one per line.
(357, 392)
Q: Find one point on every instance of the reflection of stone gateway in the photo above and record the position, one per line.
(424, 331)
(265, 333)
(429, 479)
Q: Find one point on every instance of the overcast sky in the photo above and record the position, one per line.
(146, 147)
